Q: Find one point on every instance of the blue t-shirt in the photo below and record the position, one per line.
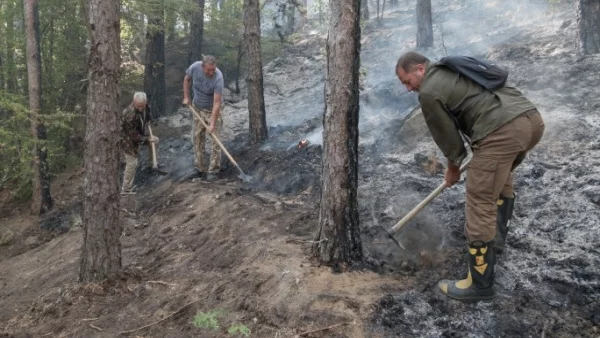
(203, 87)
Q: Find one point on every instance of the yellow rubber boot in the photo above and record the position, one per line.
(479, 284)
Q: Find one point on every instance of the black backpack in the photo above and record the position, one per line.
(483, 72)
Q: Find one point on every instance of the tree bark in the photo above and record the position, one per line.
(424, 24)
(338, 243)
(254, 81)
(196, 34)
(588, 26)
(101, 254)
(154, 68)
(41, 199)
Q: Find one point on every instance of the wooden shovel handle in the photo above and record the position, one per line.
(411, 214)
(216, 139)
(153, 147)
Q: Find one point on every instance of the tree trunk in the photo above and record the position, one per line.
(154, 70)
(365, 9)
(196, 34)
(2, 35)
(11, 70)
(588, 26)
(338, 243)
(41, 200)
(378, 3)
(290, 20)
(424, 24)
(101, 256)
(171, 24)
(254, 81)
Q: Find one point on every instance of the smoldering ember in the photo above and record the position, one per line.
(325, 152)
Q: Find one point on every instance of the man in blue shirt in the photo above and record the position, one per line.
(206, 82)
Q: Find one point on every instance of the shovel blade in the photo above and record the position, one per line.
(391, 236)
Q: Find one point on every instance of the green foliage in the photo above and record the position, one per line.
(240, 329)
(207, 320)
(16, 144)
(210, 321)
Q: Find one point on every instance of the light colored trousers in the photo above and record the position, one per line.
(199, 139)
(131, 163)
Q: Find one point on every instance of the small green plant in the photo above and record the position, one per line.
(207, 320)
(239, 329)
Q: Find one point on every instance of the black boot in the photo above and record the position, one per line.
(479, 284)
(503, 217)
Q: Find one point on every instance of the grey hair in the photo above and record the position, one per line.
(209, 60)
(140, 97)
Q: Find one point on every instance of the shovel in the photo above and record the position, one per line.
(243, 176)
(390, 233)
(154, 162)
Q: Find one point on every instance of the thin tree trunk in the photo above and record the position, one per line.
(365, 9)
(338, 243)
(154, 70)
(2, 36)
(254, 81)
(101, 254)
(424, 24)
(196, 34)
(378, 3)
(290, 19)
(41, 199)
(171, 24)
(588, 26)
(11, 71)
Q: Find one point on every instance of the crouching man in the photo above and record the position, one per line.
(135, 121)
(502, 125)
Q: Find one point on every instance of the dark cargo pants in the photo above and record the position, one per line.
(490, 173)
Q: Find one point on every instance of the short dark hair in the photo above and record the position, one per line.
(408, 60)
(209, 60)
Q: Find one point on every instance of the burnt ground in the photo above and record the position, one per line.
(244, 248)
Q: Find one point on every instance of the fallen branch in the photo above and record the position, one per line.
(158, 321)
(325, 328)
(95, 327)
(89, 319)
(161, 283)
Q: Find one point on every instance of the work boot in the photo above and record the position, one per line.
(479, 284)
(503, 217)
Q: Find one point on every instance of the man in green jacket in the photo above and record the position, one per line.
(501, 126)
(135, 120)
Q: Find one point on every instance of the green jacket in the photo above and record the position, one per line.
(134, 130)
(448, 99)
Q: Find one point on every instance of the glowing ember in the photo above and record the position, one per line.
(302, 144)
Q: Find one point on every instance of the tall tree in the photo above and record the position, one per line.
(101, 256)
(256, 99)
(365, 9)
(588, 25)
(10, 70)
(424, 24)
(41, 199)
(338, 242)
(154, 70)
(196, 34)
